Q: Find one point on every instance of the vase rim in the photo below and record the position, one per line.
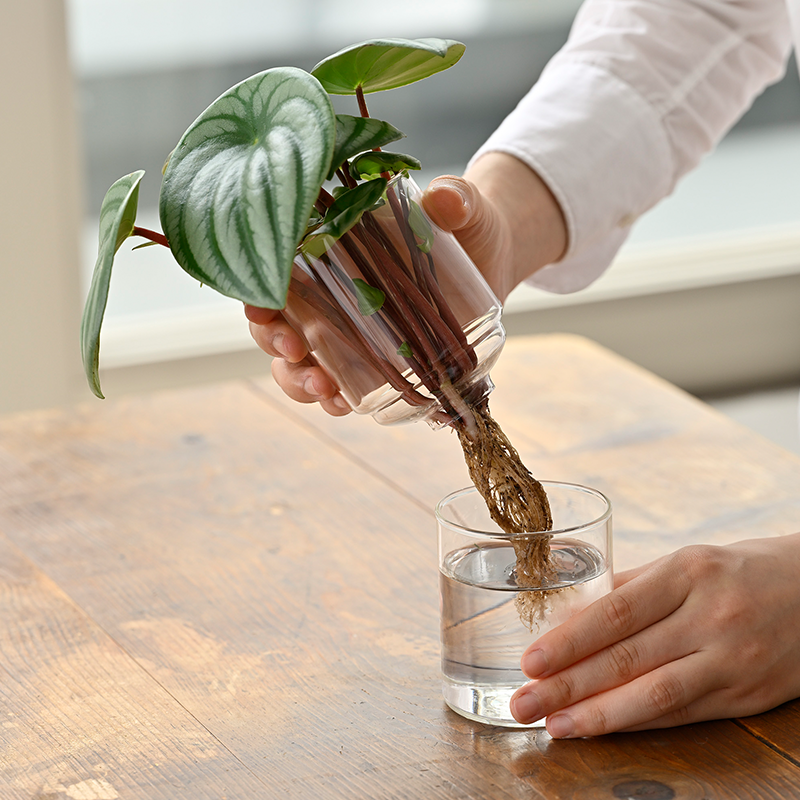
(440, 507)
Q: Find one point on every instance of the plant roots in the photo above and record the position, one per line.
(516, 502)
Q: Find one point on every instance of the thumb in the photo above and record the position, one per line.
(456, 205)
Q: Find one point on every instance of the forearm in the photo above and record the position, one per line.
(642, 90)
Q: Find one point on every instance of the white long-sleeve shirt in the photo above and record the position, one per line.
(639, 93)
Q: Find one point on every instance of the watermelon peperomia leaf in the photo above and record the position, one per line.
(370, 299)
(421, 227)
(343, 214)
(117, 218)
(240, 186)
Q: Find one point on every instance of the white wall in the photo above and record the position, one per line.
(40, 213)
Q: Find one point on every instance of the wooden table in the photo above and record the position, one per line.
(218, 593)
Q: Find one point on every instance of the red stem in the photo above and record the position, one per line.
(362, 104)
(153, 236)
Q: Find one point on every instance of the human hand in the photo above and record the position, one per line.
(293, 368)
(704, 633)
(505, 218)
(455, 205)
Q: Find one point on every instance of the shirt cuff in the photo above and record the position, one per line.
(603, 152)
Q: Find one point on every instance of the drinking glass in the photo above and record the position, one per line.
(484, 631)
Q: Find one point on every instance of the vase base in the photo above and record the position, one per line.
(485, 703)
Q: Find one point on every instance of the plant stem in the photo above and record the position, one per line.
(426, 277)
(446, 341)
(362, 104)
(355, 340)
(153, 236)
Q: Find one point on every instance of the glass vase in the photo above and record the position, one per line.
(398, 315)
(485, 614)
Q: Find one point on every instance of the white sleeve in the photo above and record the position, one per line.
(640, 92)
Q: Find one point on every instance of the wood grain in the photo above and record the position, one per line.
(80, 718)
(216, 593)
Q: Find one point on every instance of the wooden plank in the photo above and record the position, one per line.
(693, 762)
(80, 719)
(780, 729)
(285, 596)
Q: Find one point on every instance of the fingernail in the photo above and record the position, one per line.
(526, 707)
(277, 344)
(463, 195)
(560, 726)
(534, 663)
(309, 388)
(341, 403)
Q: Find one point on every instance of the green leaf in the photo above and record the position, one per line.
(343, 214)
(421, 227)
(369, 298)
(371, 163)
(380, 64)
(405, 350)
(240, 186)
(117, 218)
(356, 134)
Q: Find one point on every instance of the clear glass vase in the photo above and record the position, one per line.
(484, 633)
(429, 347)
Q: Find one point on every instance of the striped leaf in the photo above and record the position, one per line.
(356, 134)
(380, 64)
(240, 186)
(117, 218)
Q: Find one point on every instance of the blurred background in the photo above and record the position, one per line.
(706, 293)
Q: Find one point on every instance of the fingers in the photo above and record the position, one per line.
(611, 619)
(621, 578)
(294, 370)
(619, 664)
(277, 338)
(306, 382)
(680, 692)
(456, 205)
(680, 642)
(450, 202)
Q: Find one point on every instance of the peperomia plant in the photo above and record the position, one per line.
(243, 191)
(247, 208)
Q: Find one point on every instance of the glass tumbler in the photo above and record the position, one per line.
(483, 634)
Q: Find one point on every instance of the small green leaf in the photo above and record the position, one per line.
(345, 212)
(117, 218)
(371, 163)
(239, 188)
(369, 298)
(405, 350)
(420, 226)
(356, 134)
(358, 199)
(380, 64)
